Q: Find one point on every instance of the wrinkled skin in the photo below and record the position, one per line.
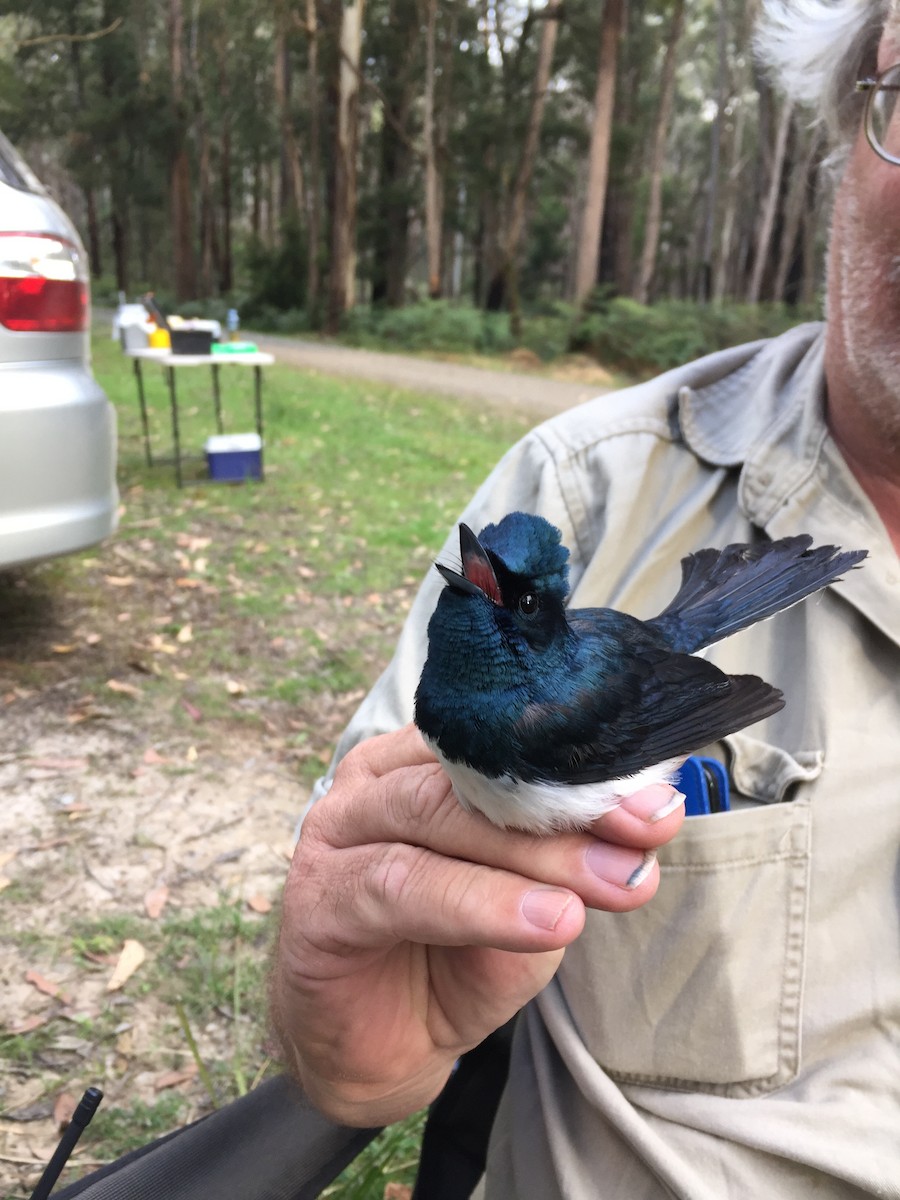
(406, 936)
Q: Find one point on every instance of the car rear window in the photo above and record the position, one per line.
(14, 171)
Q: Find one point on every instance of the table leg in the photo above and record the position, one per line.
(257, 400)
(176, 438)
(145, 424)
(217, 397)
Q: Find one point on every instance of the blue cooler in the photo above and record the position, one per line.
(234, 457)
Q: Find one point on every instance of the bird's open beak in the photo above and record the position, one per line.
(478, 577)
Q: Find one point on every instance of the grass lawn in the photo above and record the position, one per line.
(223, 625)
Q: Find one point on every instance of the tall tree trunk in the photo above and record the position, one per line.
(209, 242)
(516, 226)
(180, 167)
(314, 190)
(433, 215)
(226, 265)
(658, 156)
(90, 200)
(291, 181)
(799, 191)
(342, 270)
(728, 253)
(601, 137)
(705, 284)
(770, 205)
(395, 195)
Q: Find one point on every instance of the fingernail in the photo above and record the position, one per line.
(653, 803)
(543, 907)
(618, 865)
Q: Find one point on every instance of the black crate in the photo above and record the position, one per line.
(191, 341)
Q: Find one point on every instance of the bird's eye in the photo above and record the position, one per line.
(528, 604)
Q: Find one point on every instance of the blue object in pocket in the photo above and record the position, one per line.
(704, 782)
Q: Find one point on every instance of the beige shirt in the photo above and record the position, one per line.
(740, 1035)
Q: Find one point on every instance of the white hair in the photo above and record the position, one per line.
(815, 50)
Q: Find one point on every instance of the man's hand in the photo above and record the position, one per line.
(412, 929)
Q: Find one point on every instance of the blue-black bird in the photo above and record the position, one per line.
(544, 717)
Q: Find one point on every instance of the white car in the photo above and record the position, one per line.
(57, 428)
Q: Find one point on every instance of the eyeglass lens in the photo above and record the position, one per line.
(883, 128)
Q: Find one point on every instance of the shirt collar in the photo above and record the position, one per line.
(767, 418)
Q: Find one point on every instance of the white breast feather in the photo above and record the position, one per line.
(545, 807)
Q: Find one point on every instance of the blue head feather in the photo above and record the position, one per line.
(531, 547)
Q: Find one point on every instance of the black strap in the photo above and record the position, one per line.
(268, 1145)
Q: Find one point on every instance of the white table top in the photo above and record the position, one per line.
(168, 359)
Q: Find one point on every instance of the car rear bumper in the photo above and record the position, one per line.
(57, 461)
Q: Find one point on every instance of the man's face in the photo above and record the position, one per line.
(864, 278)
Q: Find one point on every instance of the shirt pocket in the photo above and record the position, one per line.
(701, 989)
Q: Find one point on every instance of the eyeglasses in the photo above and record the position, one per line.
(881, 102)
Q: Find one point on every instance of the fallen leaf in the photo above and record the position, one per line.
(193, 712)
(6, 856)
(47, 844)
(130, 958)
(119, 580)
(63, 1109)
(260, 904)
(170, 1079)
(93, 639)
(102, 960)
(397, 1191)
(184, 634)
(155, 901)
(193, 543)
(5, 881)
(234, 688)
(45, 985)
(58, 648)
(60, 764)
(200, 565)
(40, 1110)
(191, 755)
(153, 758)
(125, 689)
(29, 1024)
(161, 645)
(186, 582)
(125, 1042)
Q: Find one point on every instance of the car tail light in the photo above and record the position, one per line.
(43, 283)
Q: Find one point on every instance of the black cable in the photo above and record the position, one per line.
(81, 1118)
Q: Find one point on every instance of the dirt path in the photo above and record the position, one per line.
(531, 392)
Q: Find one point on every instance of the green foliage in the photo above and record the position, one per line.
(391, 1158)
(440, 326)
(120, 1130)
(625, 335)
(277, 275)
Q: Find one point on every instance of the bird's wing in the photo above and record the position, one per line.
(658, 706)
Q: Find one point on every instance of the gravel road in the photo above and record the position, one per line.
(533, 394)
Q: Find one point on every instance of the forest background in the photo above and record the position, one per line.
(617, 177)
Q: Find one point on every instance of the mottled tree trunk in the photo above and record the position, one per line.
(180, 167)
(601, 136)
(653, 222)
(342, 268)
(770, 204)
(433, 214)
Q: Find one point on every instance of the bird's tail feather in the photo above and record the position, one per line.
(723, 591)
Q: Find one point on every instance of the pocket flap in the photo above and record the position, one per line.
(766, 773)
